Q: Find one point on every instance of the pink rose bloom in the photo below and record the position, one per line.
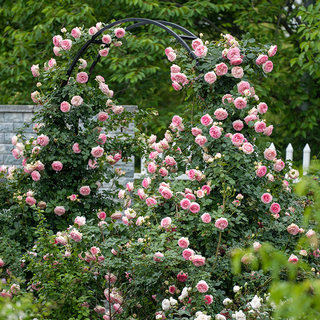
(158, 256)
(151, 202)
(293, 259)
(272, 51)
(278, 165)
(104, 52)
(228, 97)
(190, 196)
(93, 31)
(102, 116)
(206, 120)
(66, 44)
(259, 126)
(267, 67)
(106, 39)
(85, 190)
(57, 165)
(119, 32)
(221, 114)
(262, 107)
(102, 215)
(59, 210)
(215, 132)
(221, 223)
(170, 161)
(76, 101)
(172, 289)
(202, 286)
(16, 153)
(185, 204)
(56, 40)
(237, 139)
(65, 106)
(177, 121)
(76, 33)
(268, 130)
(311, 233)
(270, 154)
(166, 222)
(35, 175)
(200, 193)
(35, 70)
(183, 243)
(293, 229)
(210, 77)
(146, 182)
(236, 61)
(171, 56)
(221, 69)
(198, 260)
(201, 140)
(194, 207)
(82, 77)
(75, 235)
(152, 167)
(266, 198)
(196, 43)
(56, 51)
(130, 186)
(208, 299)
(187, 253)
(275, 208)
(141, 194)
(237, 72)
(182, 277)
(237, 125)
(240, 103)
(97, 152)
(163, 171)
(180, 78)
(201, 51)
(42, 140)
(166, 193)
(251, 117)
(233, 53)
(206, 218)
(175, 69)
(30, 201)
(256, 246)
(262, 58)
(176, 86)
(92, 164)
(196, 131)
(242, 86)
(80, 221)
(102, 138)
(206, 189)
(35, 96)
(247, 148)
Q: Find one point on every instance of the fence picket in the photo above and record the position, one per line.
(306, 158)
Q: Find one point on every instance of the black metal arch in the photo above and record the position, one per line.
(138, 22)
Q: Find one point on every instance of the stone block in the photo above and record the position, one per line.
(27, 117)
(13, 117)
(9, 160)
(2, 138)
(6, 127)
(5, 148)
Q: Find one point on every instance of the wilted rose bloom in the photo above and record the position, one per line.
(210, 77)
(183, 243)
(158, 256)
(130, 186)
(35, 70)
(97, 152)
(293, 229)
(270, 154)
(30, 201)
(57, 166)
(66, 44)
(240, 103)
(85, 190)
(278, 165)
(82, 77)
(59, 210)
(267, 67)
(228, 97)
(275, 208)
(262, 58)
(198, 260)
(303, 253)
(266, 198)
(202, 286)
(221, 223)
(76, 148)
(75, 235)
(221, 69)
(293, 259)
(80, 221)
(206, 218)
(76, 101)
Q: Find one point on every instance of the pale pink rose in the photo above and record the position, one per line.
(270, 154)
(237, 139)
(73, 197)
(93, 31)
(102, 116)
(196, 43)
(187, 253)
(183, 243)
(247, 148)
(176, 86)
(158, 256)
(268, 130)
(251, 117)
(57, 165)
(76, 101)
(206, 120)
(303, 253)
(202, 286)
(166, 193)
(215, 132)
(175, 69)
(104, 52)
(92, 164)
(66, 44)
(256, 246)
(293, 229)
(30, 201)
(228, 97)
(210, 77)
(119, 32)
(152, 167)
(35, 70)
(262, 107)
(206, 218)
(117, 43)
(237, 125)
(82, 77)
(14, 140)
(270, 177)
(35, 96)
(221, 223)
(146, 182)
(237, 72)
(102, 138)
(176, 120)
(166, 222)
(106, 39)
(272, 51)
(35, 175)
(262, 58)
(180, 78)
(151, 202)
(130, 186)
(221, 69)
(43, 140)
(99, 25)
(240, 103)
(85, 190)
(61, 240)
(185, 204)
(194, 207)
(190, 196)
(16, 153)
(121, 194)
(275, 208)
(56, 40)
(311, 233)
(259, 126)
(114, 252)
(279, 165)
(196, 131)
(141, 194)
(236, 61)
(242, 86)
(65, 106)
(266, 198)
(171, 56)
(201, 51)
(293, 259)
(233, 53)
(76, 33)
(208, 299)
(198, 260)
(75, 235)
(164, 172)
(59, 210)
(221, 114)
(170, 161)
(200, 193)
(267, 67)
(200, 140)
(97, 152)
(80, 221)
(56, 51)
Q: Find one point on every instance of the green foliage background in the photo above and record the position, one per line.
(141, 75)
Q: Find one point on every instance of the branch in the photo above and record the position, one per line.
(212, 24)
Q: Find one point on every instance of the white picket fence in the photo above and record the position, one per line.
(289, 157)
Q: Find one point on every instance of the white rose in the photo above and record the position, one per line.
(255, 302)
(165, 304)
(236, 289)
(240, 315)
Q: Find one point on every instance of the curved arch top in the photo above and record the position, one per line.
(188, 35)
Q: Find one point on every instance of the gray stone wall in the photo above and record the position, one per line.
(13, 117)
